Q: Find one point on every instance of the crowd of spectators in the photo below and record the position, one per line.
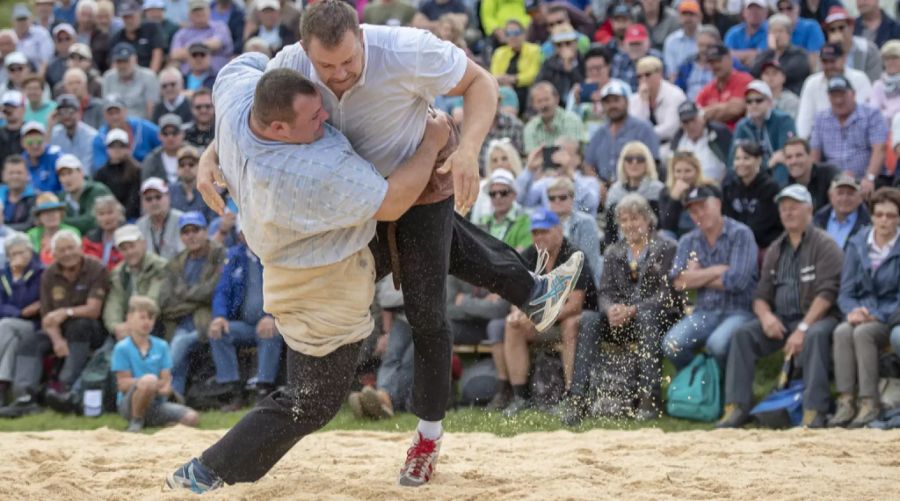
(726, 167)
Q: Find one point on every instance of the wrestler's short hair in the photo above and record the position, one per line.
(328, 21)
(275, 92)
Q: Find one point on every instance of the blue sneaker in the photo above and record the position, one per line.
(195, 477)
(555, 287)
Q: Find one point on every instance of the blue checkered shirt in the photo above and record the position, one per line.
(849, 146)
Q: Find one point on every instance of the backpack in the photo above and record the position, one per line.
(783, 408)
(696, 392)
(98, 385)
(547, 381)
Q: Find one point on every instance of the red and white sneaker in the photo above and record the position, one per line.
(421, 459)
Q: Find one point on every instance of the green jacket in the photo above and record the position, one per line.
(84, 219)
(37, 233)
(514, 230)
(124, 283)
(178, 299)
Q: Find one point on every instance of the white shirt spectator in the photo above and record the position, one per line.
(668, 100)
(814, 97)
(37, 45)
(713, 168)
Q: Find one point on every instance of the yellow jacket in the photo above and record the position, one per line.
(529, 63)
(495, 13)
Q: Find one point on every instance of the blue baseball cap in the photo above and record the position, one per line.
(543, 219)
(192, 218)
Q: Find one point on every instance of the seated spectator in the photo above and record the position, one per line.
(40, 158)
(806, 33)
(201, 131)
(135, 86)
(78, 194)
(142, 134)
(71, 135)
(187, 293)
(48, 214)
(528, 62)
(100, 241)
(814, 94)
(520, 332)
(493, 14)
(162, 162)
(636, 173)
(710, 142)
(636, 303)
(845, 215)
(238, 319)
(233, 15)
(551, 121)
(718, 261)
(270, 29)
(685, 174)
(159, 222)
(816, 177)
(656, 100)
(563, 69)
(747, 39)
(17, 194)
(603, 152)
(38, 105)
(76, 82)
(680, 46)
(506, 221)
(766, 126)
(19, 303)
(875, 24)
(35, 41)
(722, 99)
(389, 13)
(695, 73)
(18, 68)
(90, 34)
(750, 195)
(869, 297)
(499, 154)
(636, 46)
(564, 162)
(850, 135)
(172, 99)
(597, 62)
(11, 132)
(146, 37)
(72, 292)
(506, 127)
(201, 28)
(783, 99)
(792, 60)
(121, 173)
(886, 90)
(660, 20)
(143, 367)
(795, 307)
(226, 229)
(184, 193)
(139, 273)
(63, 38)
(862, 54)
(199, 74)
(579, 229)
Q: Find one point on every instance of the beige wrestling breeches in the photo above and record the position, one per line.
(318, 310)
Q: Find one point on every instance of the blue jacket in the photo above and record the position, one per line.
(14, 296)
(231, 289)
(878, 291)
(146, 139)
(43, 174)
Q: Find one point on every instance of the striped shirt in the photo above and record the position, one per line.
(303, 205)
(787, 282)
(736, 248)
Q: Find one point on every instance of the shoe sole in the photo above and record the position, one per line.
(550, 319)
(371, 405)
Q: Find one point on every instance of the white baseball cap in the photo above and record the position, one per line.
(759, 86)
(155, 184)
(127, 233)
(33, 126)
(15, 58)
(500, 176)
(116, 135)
(69, 161)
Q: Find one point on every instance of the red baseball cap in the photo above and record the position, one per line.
(837, 13)
(636, 33)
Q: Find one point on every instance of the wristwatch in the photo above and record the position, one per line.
(870, 177)
(70, 312)
(803, 327)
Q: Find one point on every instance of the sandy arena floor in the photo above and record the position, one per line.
(647, 464)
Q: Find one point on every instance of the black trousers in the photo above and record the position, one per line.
(83, 335)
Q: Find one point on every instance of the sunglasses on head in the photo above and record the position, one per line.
(635, 159)
(558, 198)
(755, 100)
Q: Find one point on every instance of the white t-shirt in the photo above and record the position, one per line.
(383, 115)
(814, 97)
(713, 168)
(170, 163)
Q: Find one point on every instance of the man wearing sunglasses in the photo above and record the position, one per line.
(862, 54)
(201, 131)
(63, 37)
(40, 157)
(200, 72)
(162, 162)
(766, 126)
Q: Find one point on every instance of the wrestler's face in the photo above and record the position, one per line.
(308, 123)
(340, 66)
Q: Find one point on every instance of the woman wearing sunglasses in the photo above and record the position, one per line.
(635, 173)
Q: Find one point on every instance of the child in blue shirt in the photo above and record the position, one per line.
(143, 368)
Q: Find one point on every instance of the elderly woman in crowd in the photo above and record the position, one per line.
(685, 174)
(870, 295)
(579, 228)
(749, 194)
(48, 214)
(636, 303)
(636, 172)
(20, 287)
(886, 90)
(98, 242)
(500, 154)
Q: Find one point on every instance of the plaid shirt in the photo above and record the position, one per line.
(564, 124)
(736, 248)
(849, 146)
(624, 69)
